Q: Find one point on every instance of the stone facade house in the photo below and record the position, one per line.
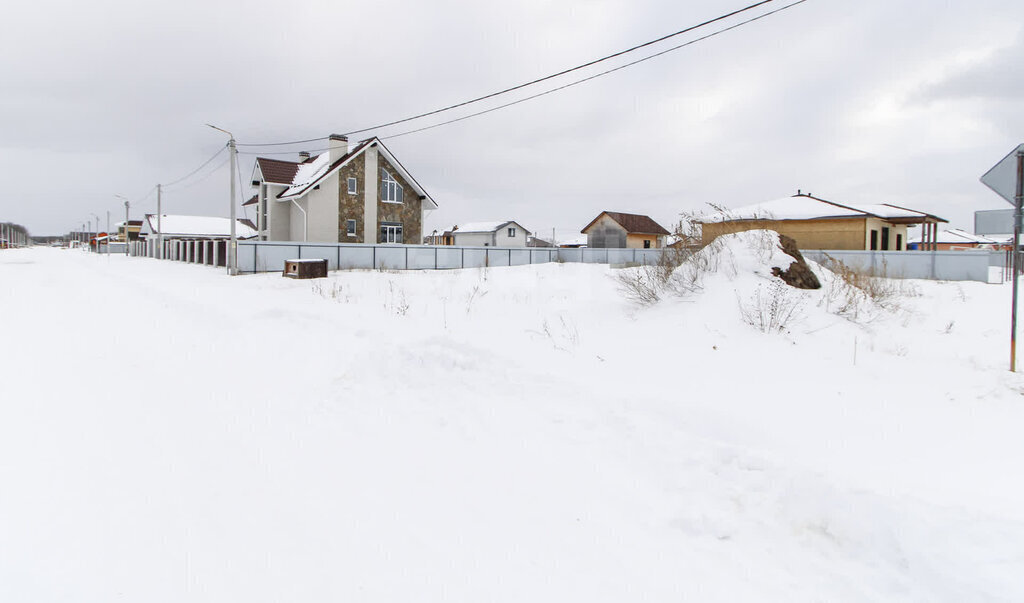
(819, 224)
(349, 194)
(617, 230)
(506, 233)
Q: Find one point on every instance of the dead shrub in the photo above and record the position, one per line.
(772, 308)
(852, 283)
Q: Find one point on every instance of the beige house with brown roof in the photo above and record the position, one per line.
(819, 224)
(619, 230)
(349, 194)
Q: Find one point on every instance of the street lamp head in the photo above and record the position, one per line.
(221, 130)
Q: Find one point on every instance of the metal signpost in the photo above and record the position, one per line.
(1006, 178)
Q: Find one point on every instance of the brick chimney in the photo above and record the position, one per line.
(338, 146)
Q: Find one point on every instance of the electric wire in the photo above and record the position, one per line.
(597, 75)
(201, 180)
(193, 172)
(525, 84)
(563, 87)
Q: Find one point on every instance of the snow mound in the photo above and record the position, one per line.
(745, 267)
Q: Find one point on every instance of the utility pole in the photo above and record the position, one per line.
(159, 227)
(126, 205)
(233, 243)
(1018, 217)
(108, 233)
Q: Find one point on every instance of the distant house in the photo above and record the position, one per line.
(538, 242)
(612, 229)
(508, 233)
(349, 194)
(953, 239)
(819, 224)
(441, 237)
(134, 226)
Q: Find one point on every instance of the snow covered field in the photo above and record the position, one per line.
(168, 433)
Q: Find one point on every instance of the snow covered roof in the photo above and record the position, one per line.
(957, 236)
(197, 226)
(806, 207)
(471, 227)
(307, 174)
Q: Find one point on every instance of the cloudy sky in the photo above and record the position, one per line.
(906, 102)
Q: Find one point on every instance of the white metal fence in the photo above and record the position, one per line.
(963, 265)
(269, 256)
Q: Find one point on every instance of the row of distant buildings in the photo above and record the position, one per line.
(362, 193)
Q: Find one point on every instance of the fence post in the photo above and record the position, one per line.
(435, 258)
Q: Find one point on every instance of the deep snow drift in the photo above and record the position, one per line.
(168, 433)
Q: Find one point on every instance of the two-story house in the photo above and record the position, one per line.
(357, 194)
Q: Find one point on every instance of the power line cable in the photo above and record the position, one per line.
(525, 84)
(597, 75)
(199, 181)
(193, 172)
(569, 85)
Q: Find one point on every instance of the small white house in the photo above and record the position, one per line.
(491, 234)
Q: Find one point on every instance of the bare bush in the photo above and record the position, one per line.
(852, 286)
(640, 285)
(772, 308)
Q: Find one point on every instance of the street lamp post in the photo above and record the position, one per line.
(126, 204)
(233, 243)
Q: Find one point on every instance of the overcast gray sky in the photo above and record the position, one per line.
(872, 101)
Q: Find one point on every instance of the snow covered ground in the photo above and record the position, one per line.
(168, 433)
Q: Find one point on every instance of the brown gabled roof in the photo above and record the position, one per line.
(633, 223)
(277, 171)
(252, 200)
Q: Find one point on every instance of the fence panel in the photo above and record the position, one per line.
(390, 258)
(319, 252)
(474, 257)
(648, 257)
(519, 257)
(963, 265)
(271, 258)
(421, 258)
(356, 257)
(449, 257)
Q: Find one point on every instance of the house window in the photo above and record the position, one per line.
(647, 243)
(899, 242)
(390, 190)
(885, 238)
(390, 232)
(350, 228)
(512, 233)
(351, 186)
(874, 240)
(263, 212)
